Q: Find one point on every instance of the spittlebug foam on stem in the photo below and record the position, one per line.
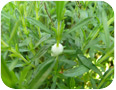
(56, 50)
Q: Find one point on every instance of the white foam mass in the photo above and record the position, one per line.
(56, 50)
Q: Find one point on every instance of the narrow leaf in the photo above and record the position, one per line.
(105, 76)
(39, 24)
(76, 71)
(79, 25)
(13, 64)
(93, 83)
(6, 15)
(42, 74)
(15, 28)
(59, 9)
(41, 40)
(106, 30)
(23, 75)
(86, 62)
(41, 52)
(8, 77)
(111, 51)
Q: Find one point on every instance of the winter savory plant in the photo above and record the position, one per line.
(57, 44)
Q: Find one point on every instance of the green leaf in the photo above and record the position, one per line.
(54, 29)
(93, 83)
(91, 44)
(41, 40)
(13, 64)
(76, 71)
(111, 21)
(53, 86)
(72, 82)
(5, 14)
(105, 76)
(9, 78)
(111, 51)
(39, 24)
(14, 31)
(69, 51)
(11, 25)
(41, 52)
(17, 54)
(17, 13)
(42, 74)
(69, 62)
(106, 30)
(86, 62)
(79, 25)
(23, 75)
(21, 8)
(62, 86)
(93, 34)
(59, 9)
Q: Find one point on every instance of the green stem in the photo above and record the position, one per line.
(15, 52)
(106, 55)
(37, 18)
(110, 21)
(55, 77)
(25, 11)
(39, 32)
(58, 34)
(2, 42)
(103, 80)
(56, 65)
(24, 25)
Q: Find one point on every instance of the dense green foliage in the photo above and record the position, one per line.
(84, 28)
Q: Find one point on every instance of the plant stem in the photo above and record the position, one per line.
(58, 33)
(56, 66)
(104, 78)
(24, 26)
(105, 56)
(2, 42)
(48, 14)
(15, 52)
(55, 77)
(37, 17)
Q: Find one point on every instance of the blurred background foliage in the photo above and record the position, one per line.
(27, 34)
